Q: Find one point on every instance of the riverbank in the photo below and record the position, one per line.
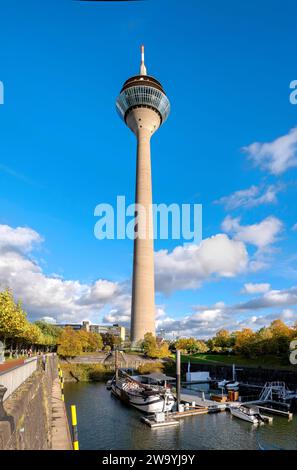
(94, 372)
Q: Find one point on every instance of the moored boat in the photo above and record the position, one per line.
(147, 398)
(252, 415)
(229, 384)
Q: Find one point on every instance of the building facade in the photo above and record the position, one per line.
(116, 330)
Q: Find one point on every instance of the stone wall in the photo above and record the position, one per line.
(27, 420)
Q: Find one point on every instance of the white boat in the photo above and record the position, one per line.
(145, 397)
(246, 413)
(229, 384)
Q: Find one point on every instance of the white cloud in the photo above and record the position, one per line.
(271, 299)
(99, 291)
(251, 197)
(294, 228)
(203, 323)
(187, 266)
(250, 288)
(262, 235)
(277, 156)
(49, 296)
(120, 311)
(20, 238)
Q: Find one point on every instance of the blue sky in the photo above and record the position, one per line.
(226, 68)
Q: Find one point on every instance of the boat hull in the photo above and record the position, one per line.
(150, 404)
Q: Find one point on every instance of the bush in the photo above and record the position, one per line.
(149, 367)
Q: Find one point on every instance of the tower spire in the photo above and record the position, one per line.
(142, 66)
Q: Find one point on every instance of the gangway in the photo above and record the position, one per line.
(273, 389)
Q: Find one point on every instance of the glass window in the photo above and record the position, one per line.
(143, 95)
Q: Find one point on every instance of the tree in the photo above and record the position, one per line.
(149, 342)
(202, 347)
(32, 334)
(281, 337)
(244, 342)
(83, 336)
(191, 346)
(223, 339)
(90, 341)
(153, 349)
(95, 342)
(12, 317)
(50, 332)
(69, 343)
(108, 339)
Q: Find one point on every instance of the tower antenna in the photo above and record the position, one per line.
(142, 66)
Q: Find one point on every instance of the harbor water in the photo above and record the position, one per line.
(104, 422)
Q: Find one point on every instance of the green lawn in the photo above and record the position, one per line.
(269, 362)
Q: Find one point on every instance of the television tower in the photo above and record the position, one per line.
(143, 106)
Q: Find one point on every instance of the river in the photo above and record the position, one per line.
(106, 423)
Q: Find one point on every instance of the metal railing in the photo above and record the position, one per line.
(14, 377)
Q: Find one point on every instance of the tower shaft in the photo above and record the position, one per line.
(143, 122)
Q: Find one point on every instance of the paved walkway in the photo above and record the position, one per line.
(61, 439)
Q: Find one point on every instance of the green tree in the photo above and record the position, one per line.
(191, 346)
(51, 332)
(281, 337)
(90, 341)
(244, 342)
(223, 339)
(154, 349)
(95, 342)
(12, 318)
(149, 343)
(32, 334)
(83, 336)
(108, 339)
(69, 343)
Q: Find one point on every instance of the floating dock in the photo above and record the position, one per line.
(152, 423)
(286, 414)
(203, 402)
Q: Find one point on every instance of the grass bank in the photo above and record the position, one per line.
(86, 372)
(267, 362)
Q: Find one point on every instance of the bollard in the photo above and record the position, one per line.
(74, 428)
(178, 405)
(62, 389)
